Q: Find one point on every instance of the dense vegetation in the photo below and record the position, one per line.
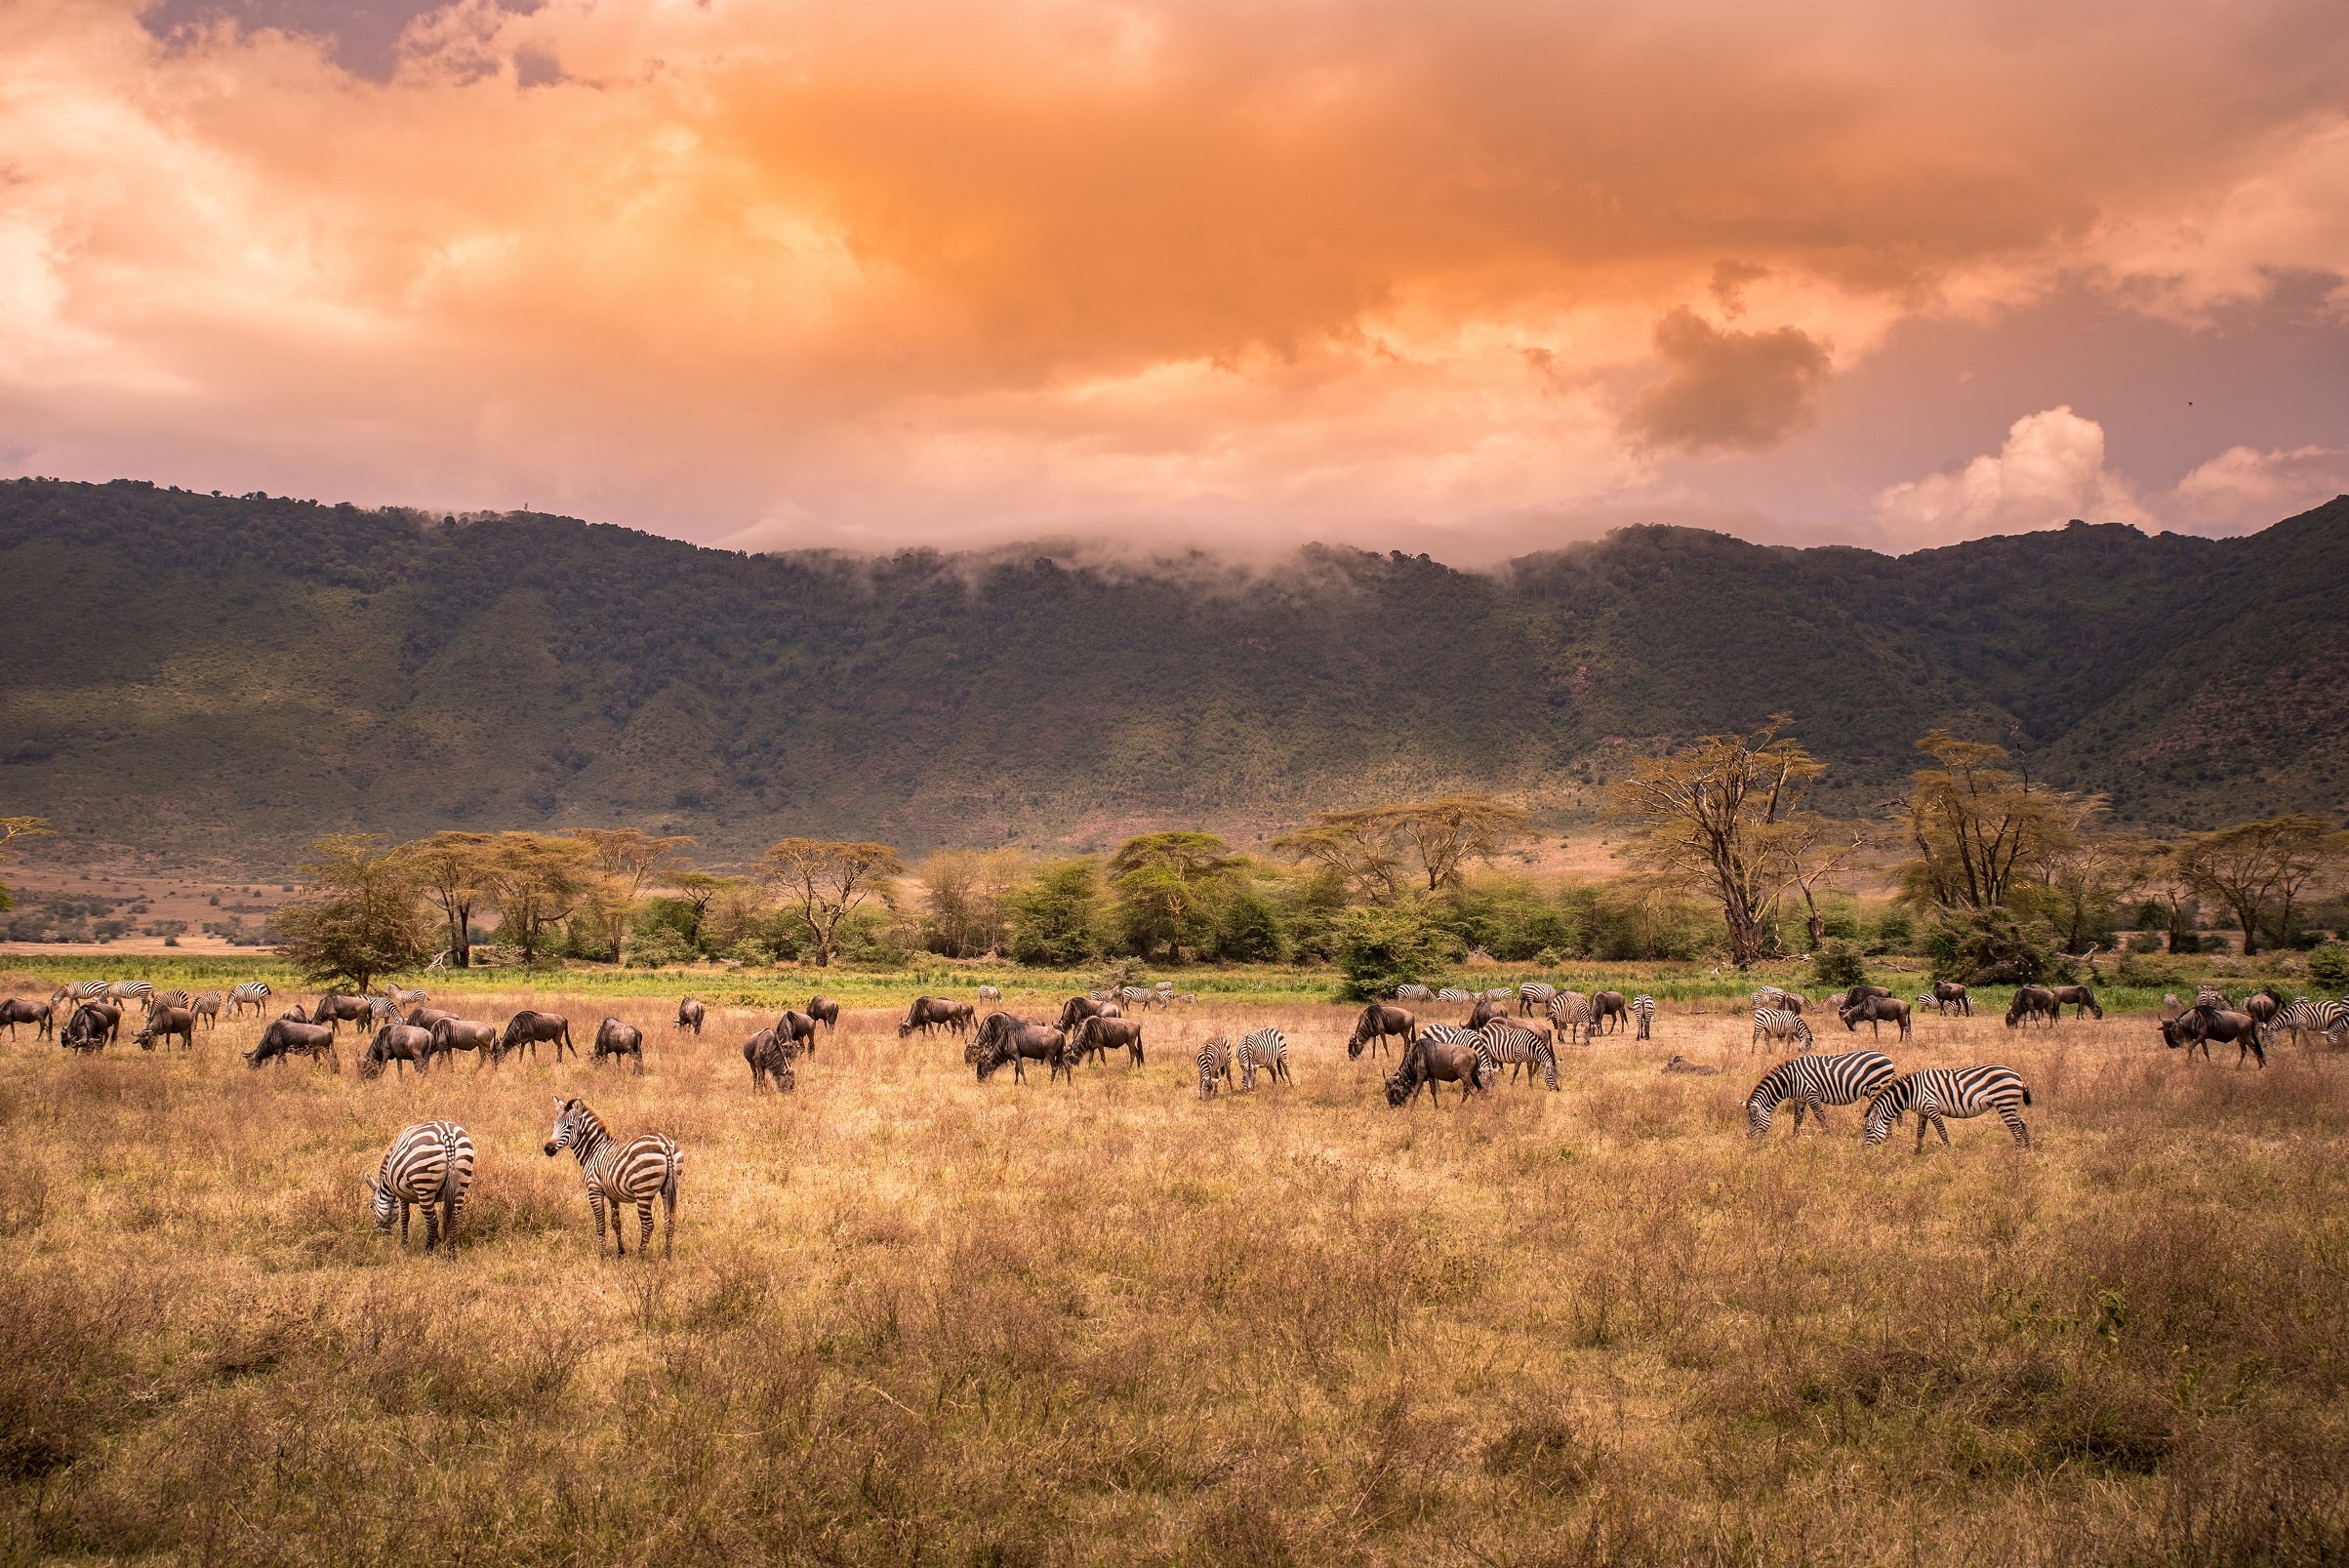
(226, 678)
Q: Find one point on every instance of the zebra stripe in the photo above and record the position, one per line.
(129, 991)
(1514, 1046)
(2210, 996)
(1570, 1011)
(1413, 993)
(1214, 1062)
(2302, 1016)
(79, 991)
(1534, 994)
(1146, 996)
(404, 1000)
(252, 993)
(430, 1163)
(1961, 1091)
(1815, 1082)
(645, 1167)
(1780, 1026)
(155, 998)
(1643, 1008)
(1453, 993)
(1266, 1050)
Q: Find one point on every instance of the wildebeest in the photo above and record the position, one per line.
(453, 1034)
(163, 1022)
(772, 1062)
(335, 1011)
(930, 1012)
(2079, 998)
(93, 1026)
(396, 1044)
(2261, 1005)
(614, 1037)
(1486, 1010)
(16, 1010)
(2201, 1025)
(292, 1037)
(825, 1011)
(1432, 1062)
(1948, 995)
(1098, 1037)
(2031, 1001)
(1876, 1012)
(1605, 1005)
(529, 1028)
(424, 1018)
(796, 1027)
(1004, 1039)
(1077, 1009)
(689, 1016)
(1379, 1021)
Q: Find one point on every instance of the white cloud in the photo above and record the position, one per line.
(2243, 489)
(2049, 471)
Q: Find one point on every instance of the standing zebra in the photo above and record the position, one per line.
(207, 1006)
(1815, 1082)
(2302, 1016)
(1534, 996)
(1268, 1050)
(991, 993)
(1453, 993)
(1214, 1062)
(1570, 1011)
(1780, 1026)
(253, 993)
(1513, 1046)
(1141, 996)
(1413, 993)
(1643, 1008)
(645, 1167)
(1937, 1092)
(430, 1163)
(124, 991)
(2210, 996)
(155, 998)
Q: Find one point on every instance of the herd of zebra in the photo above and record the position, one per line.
(429, 1166)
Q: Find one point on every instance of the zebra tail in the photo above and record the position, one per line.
(676, 1168)
(2026, 1095)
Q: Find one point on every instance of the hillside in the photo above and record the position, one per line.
(217, 679)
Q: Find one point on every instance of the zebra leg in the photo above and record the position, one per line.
(595, 1203)
(432, 1225)
(2014, 1125)
(403, 1223)
(644, 1225)
(669, 1220)
(1942, 1128)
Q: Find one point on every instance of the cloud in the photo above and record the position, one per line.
(2242, 488)
(1736, 391)
(2049, 471)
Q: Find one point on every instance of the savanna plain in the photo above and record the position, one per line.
(914, 1318)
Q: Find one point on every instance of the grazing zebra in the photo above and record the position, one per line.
(1815, 1082)
(207, 1006)
(2303, 1017)
(1453, 993)
(404, 1000)
(1533, 996)
(1778, 1025)
(1143, 995)
(1643, 1008)
(78, 991)
(1188, 999)
(253, 993)
(645, 1167)
(1767, 996)
(2211, 998)
(1499, 993)
(991, 993)
(155, 998)
(1413, 993)
(124, 991)
(1937, 1092)
(431, 1164)
(1214, 1062)
(1268, 1050)
(382, 1011)
(1570, 1011)
(1513, 1046)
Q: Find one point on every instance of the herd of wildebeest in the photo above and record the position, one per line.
(430, 1163)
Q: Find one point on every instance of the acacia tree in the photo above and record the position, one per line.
(1169, 886)
(1726, 817)
(965, 889)
(626, 859)
(824, 882)
(1976, 828)
(2080, 877)
(1370, 846)
(453, 870)
(1351, 846)
(538, 880)
(360, 917)
(2255, 864)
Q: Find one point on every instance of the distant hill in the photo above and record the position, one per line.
(219, 679)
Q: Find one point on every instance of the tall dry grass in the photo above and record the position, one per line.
(914, 1318)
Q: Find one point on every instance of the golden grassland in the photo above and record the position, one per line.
(915, 1318)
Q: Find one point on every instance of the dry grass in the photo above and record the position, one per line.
(914, 1318)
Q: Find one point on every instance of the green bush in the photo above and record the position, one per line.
(1054, 918)
(2329, 967)
(1895, 932)
(1379, 950)
(1838, 963)
(1249, 930)
(658, 947)
(1993, 948)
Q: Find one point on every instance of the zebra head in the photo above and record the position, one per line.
(380, 1201)
(572, 1121)
(1883, 1111)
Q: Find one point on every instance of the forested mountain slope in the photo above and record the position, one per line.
(223, 677)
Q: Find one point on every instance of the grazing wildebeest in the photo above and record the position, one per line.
(453, 1034)
(773, 1062)
(826, 1011)
(689, 1016)
(1605, 1005)
(1004, 1039)
(798, 1029)
(2031, 1001)
(335, 1011)
(2079, 998)
(1077, 1009)
(93, 1026)
(1099, 1036)
(929, 1012)
(1876, 1012)
(616, 1038)
(16, 1010)
(396, 1044)
(1379, 1021)
(1430, 1061)
(2202, 1025)
(291, 1038)
(1486, 1010)
(528, 1028)
(424, 1018)
(1948, 995)
(163, 1022)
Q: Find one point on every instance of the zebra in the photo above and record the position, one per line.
(78, 991)
(1188, 999)
(991, 993)
(1643, 1008)
(1453, 993)
(1937, 1092)
(1769, 996)
(124, 991)
(645, 1167)
(1413, 993)
(1214, 1062)
(405, 1000)
(431, 1164)
(1141, 995)
(253, 993)
(1513, 1046)
(1570, 1011)
(155, 998)
(382, 1011)
(1815, 1082)
(207, 1006)
(1532, 995)
(1499, 993)
(1266, 1050)
(2212, 998)
(2303, 1017)
(1780, 1026)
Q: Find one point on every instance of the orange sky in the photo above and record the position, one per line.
(1469, 278)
